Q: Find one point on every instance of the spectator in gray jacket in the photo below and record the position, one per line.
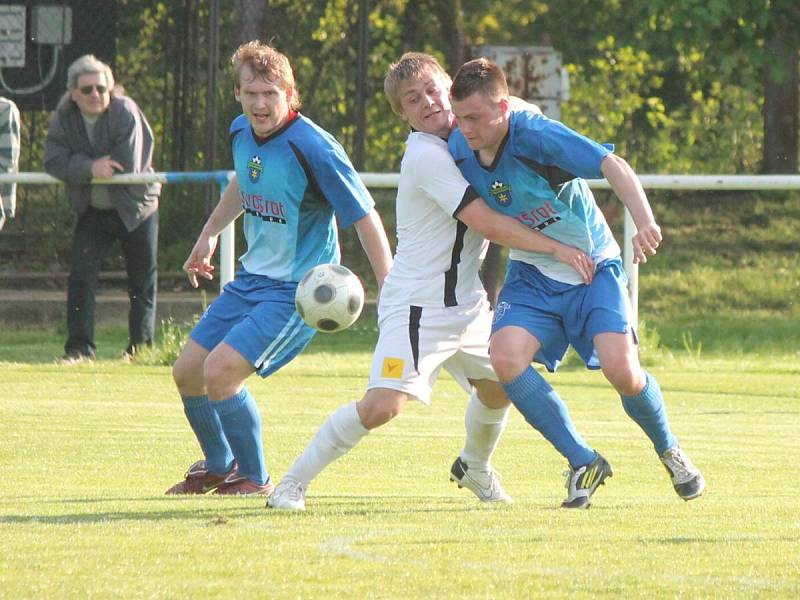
(9, 155)
(96, 133)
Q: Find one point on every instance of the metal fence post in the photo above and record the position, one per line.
(631, 268)
(227, 240)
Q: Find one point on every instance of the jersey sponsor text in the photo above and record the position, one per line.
(264, 208)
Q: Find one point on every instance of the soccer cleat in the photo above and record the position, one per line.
(288, 495)
(582, 482)
(686, 478)
(239, 485)
(199, 480)
(484, 484)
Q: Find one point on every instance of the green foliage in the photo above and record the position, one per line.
(693, 350)
(676, 86)
(614, 99)
(651, 351)
(170, 340)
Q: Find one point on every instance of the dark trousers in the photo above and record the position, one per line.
(95, 233)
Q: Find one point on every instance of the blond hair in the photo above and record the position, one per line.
(268, 64)
(479, 75)
(412, 65)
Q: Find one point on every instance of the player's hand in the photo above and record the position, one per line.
(104, 167)
(576, 259)
(646, 242)
(199, 261)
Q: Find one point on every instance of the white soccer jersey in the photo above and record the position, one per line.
(437, 257)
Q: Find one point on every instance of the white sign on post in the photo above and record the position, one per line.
(534, 73)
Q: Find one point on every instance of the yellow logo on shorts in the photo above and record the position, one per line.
(392, 368)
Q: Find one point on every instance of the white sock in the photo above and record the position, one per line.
(337, 436)
(484, 426)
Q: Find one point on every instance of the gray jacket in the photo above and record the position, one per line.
(122, 132)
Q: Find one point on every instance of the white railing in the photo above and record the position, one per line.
(390, 180)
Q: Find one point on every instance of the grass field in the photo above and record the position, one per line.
(87, 452)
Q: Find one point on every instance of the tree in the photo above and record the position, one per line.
(781, 88)
(716, 80)
(249, 21)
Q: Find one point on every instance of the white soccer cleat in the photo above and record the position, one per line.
(686, 478)
(484, 484)
(288, 495)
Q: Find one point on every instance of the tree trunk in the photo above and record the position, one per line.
(781, 99)
(250, 21)
(450, 16)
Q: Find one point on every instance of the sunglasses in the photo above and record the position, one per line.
(87, 89)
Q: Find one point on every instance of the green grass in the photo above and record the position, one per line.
(727, 273)
(88, 450)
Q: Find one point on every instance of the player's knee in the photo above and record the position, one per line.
(186, 376)
(376, 412)
(627, 380)
(508, 365)
(178, 375)
(219, 380)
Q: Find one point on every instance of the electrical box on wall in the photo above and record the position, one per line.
(51, 25)
(12, 35)
(40, 39)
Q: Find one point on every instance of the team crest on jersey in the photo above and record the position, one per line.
(501, 192)
(500, 310)
(254, 168)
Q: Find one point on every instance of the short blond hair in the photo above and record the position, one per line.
(412, 65)
(267, 63)
(479, 75)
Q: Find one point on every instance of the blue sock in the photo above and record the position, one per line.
(241, 423)
(546, 412)
(206, 426)
(647, 409)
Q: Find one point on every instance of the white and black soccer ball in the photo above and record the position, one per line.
(329, 298)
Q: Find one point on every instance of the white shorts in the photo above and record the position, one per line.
(416, 342)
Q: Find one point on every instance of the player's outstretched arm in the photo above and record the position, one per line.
(506, 231)
(226, 211)
(629, 189)
(376, 246)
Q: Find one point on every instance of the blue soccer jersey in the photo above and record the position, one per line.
(535, 178)
(291, 185)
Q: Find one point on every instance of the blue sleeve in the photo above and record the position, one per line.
(458, 146)
(552, 143)
(338, 181)
(237, 125)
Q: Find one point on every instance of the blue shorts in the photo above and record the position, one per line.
(256, 316)
(559, 314)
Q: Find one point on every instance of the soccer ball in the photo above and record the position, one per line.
(329, 298)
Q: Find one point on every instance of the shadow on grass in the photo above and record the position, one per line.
(233, 511)
(725, 539)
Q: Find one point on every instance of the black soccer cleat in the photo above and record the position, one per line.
(582, 482)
